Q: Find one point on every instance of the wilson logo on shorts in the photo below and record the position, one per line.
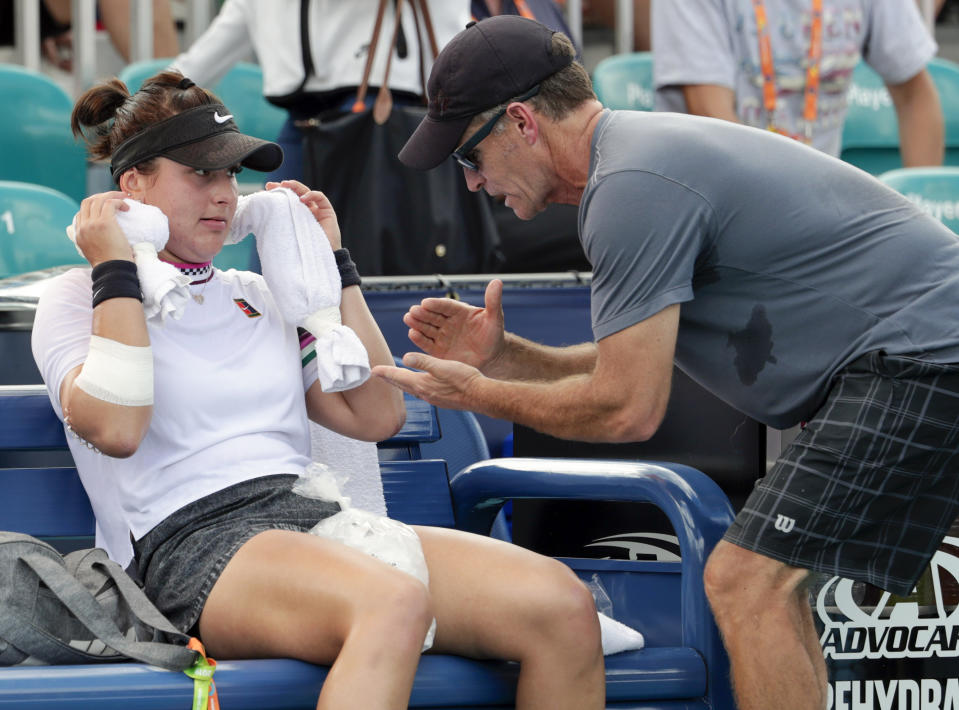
(784, 524)
(249, 310)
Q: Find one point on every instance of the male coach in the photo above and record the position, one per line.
(793, 286)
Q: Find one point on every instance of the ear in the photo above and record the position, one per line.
(132, 181)
(525, 121)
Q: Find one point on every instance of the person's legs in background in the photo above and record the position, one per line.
(603, 12)
(115, 16)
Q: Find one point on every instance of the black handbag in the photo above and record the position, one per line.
(395, 220)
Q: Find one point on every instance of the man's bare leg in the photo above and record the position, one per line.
(762, 608)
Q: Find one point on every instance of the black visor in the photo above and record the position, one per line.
(204, 137)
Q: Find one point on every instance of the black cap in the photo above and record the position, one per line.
(204, 137)
(488, 63)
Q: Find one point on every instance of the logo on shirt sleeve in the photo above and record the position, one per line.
(249, 310)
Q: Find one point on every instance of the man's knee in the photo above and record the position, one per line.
(739, 578)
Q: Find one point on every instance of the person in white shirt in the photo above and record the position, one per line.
(315, 68)
(192, 431)
(710, 61)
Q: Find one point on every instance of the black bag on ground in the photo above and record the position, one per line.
(78, 608)
(395, 220)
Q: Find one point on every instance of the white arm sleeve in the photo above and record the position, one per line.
(61, 329)
(692, 43)
(224, 43)
(898, 45)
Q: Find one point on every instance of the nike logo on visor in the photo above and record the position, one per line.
(221, 119)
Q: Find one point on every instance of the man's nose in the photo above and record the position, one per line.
(474, 180)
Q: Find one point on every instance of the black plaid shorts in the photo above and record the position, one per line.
(871, 484)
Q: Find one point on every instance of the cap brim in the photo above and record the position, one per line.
(432, 142)
(223, 150)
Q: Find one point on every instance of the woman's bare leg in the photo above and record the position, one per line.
(290, 594)
(496, 600)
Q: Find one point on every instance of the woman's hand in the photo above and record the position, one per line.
(98, 232)
(319, 205)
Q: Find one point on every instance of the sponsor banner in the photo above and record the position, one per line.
(893, 653)
(901, 694)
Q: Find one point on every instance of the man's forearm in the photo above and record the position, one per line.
(922, 139)
(574, 407)
(921, 125)
(711, 100)
(525, 360)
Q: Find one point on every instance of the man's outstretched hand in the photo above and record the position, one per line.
(453, 330)
(443, 383)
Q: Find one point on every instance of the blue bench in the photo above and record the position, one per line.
(683, 666)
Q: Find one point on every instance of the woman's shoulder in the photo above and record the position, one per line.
(67, 286)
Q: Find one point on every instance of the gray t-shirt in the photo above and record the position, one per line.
(789, 263)
(715, 42)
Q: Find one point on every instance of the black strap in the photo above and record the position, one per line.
(401, 49)
(291, 99)
(400, 44)
(308, 67)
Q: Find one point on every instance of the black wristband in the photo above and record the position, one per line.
(349, 276)
(115, 279)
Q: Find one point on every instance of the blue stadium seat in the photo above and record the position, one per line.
(242, 91)
(625, 81)
(870, 137)
(462, 444)
(36, 143)
(135, 73)
(33, 219)
(682, 667)
(241, 257)
(934, 189)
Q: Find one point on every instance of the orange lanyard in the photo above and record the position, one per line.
(814, 58)
(523, 8)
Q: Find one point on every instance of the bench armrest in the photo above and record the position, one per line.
(696, 507)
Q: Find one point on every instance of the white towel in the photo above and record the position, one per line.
(386, 539)
(617, 637)
(363, 485)
(165, 289)
(362, 488)
(299, 268)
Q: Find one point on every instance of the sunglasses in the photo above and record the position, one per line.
(462, 154)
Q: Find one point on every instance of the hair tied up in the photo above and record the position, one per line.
(185, 83)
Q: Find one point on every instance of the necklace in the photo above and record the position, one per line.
(199, 273)
(198, 297)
